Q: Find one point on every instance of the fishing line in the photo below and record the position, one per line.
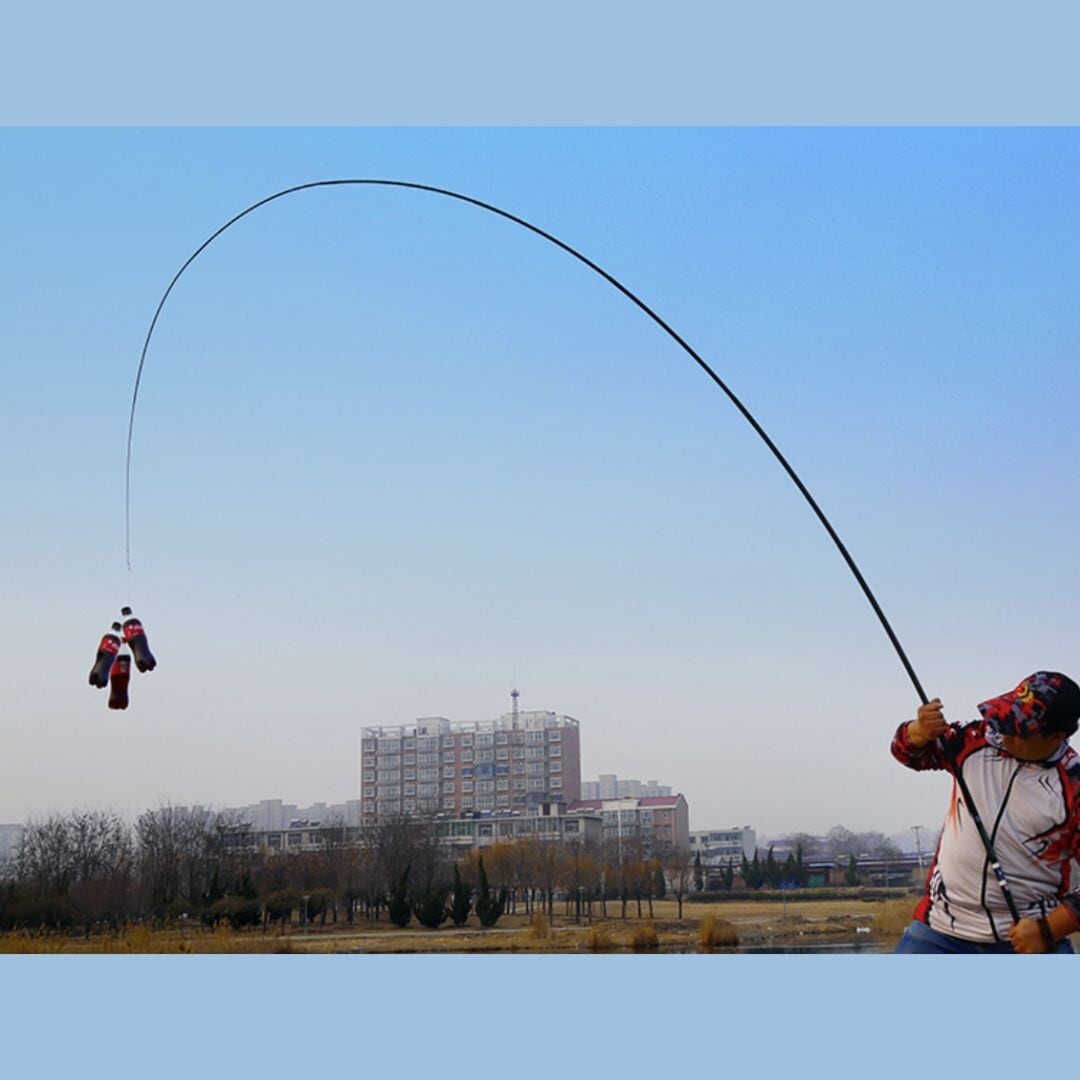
(845, 554)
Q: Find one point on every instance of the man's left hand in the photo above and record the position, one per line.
(1026, 937)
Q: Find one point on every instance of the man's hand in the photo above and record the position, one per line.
(929, 723)
(1026, 936)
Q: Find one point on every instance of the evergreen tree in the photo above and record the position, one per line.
(461, 905)
(851, 875)
(729, 875)
(771, 872)
(430, 906)
(398, 907)
(757, 873)
(488, 906)
(790, 875)
(800, 869)
(744, 870)
(699, 873)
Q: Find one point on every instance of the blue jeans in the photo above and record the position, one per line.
(919, 938)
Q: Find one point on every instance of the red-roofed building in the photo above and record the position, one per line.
(661, 820)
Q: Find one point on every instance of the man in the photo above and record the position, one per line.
(1024, 780)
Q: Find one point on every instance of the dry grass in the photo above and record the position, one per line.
(892, 917)
(717, 933)
(645, 938)
(539, 930)
(599, 940)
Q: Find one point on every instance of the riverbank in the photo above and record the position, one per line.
(849, 924)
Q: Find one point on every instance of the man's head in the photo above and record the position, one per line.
(1037, 717)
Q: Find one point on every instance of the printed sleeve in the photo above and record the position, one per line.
(1071, 900)
(961, 740)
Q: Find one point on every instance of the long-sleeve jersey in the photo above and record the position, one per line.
(1031, 811)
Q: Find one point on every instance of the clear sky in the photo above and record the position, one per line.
(394, 454)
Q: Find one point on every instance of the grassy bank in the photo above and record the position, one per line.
(705, 926)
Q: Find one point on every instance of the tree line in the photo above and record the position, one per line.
(91, 869)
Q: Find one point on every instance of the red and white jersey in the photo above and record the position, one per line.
(1031, 812)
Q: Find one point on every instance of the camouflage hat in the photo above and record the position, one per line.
(1039, 705)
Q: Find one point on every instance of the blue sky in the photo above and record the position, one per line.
(393, 454)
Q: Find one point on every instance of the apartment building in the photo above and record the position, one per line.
(659, 820)
(439, 767)
(609, 786)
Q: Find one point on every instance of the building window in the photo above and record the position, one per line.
(449, 758)
(555, 751)
(466, 785)
(554, 735)
(555, 767)
(448, 773)
(466, 755)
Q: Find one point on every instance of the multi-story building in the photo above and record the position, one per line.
(273, 815)
(434, 766)
(609, 786)
(542, 819)
(718, 847)
(658, 820)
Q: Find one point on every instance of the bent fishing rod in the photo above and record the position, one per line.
(845, 554)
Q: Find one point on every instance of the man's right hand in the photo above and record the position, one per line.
(929, 724)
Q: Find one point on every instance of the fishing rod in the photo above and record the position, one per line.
(846, 555)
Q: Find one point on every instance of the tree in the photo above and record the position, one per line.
(771, 871)
(429, 906)
(461, 904)
(397, 906)
(699, 875)
(851, 875)
(680, 871)
(728, 877)
(489, 906)
(840, 841)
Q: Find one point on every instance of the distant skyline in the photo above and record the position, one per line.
(394, 455)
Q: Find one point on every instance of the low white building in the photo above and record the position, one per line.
(718, 847)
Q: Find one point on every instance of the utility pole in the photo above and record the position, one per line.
(918, 843)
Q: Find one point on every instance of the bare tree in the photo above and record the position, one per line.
(678, 869)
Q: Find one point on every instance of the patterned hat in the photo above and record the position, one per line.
(1036, 706)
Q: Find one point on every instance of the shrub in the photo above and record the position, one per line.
(599, 940)
(538, 927)
(717, 933)
(645, 938)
